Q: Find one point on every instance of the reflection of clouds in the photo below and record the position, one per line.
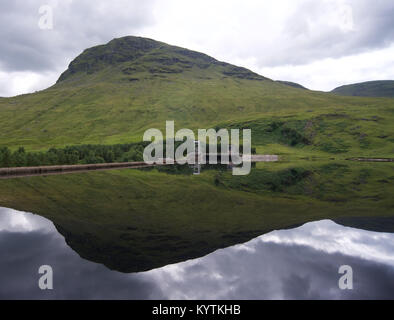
(17, 221)
(330, 237)
(24, 247)
(295, 264)
(290, 264)
(273, 271)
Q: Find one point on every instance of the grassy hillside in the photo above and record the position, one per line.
(112, 93)
(292, 84)
(383, 88)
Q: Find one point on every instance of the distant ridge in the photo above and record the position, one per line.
(380, 88)
(292, 84)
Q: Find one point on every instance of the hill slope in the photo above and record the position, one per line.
(292, 84)
(383, 88)
(112, 93)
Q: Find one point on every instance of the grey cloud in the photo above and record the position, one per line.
(307, 37)
(77, 25)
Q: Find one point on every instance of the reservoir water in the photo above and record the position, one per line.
(297, 263)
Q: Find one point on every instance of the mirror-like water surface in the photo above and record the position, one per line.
(298, 263)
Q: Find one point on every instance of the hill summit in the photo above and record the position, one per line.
(136, 55)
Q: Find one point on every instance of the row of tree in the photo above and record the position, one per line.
(82, 154)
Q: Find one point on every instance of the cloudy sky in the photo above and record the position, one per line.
(320, 44)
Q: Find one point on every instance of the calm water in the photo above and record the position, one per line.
(300, 263)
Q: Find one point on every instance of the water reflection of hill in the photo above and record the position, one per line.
(137, 220)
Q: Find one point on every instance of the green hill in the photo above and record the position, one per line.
(112, 93)
(383, 88)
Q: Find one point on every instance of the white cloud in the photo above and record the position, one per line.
(327, 74)
(15, 83)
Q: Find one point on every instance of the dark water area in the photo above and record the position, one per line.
(298, 263)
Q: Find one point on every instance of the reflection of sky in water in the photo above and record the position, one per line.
(291, 264)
